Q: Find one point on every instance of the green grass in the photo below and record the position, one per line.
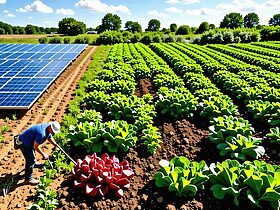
(19, 41)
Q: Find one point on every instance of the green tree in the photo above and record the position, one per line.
(15, 30)
(2, 31)
(183, 30)
(232, 20)
(7, 27)
(275, 20)
(251, 20)
(153, 25)
(21, 30)
(70, 26)
(212, 26)
(110, 22)
(42, 29)
(173, 27)
(30, 29)
(204, 26)
(133, 26)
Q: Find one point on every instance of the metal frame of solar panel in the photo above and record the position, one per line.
(27, 70)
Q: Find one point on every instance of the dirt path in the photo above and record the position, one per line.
(51, 106)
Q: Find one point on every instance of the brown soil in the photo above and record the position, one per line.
(51, 106)
(182, 137)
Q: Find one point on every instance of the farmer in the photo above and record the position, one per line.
(30, 140)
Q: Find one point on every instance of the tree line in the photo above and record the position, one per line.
(112, 22)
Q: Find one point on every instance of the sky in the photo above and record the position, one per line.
(48, 13)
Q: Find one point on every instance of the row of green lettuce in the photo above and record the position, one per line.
(232, 135)
(257, 181)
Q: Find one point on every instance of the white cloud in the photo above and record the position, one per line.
(30, 18)
(47, 22)
(10, 15)
(202, 11)
(98, 6)
(6, 11)
(36, 6)
(174, 10)
(157, 14)
(65, 11)
(3, 1)
(182, 1)
(21, 10)
(272, 3)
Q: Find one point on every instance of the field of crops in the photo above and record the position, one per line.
(169, 126)
(175, 126)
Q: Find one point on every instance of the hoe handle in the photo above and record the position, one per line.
(62, 150)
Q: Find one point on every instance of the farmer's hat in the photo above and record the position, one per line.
(55, 126)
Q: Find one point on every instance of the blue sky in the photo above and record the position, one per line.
(47, 13)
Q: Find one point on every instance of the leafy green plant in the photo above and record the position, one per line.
(4, 129)
(241, 147)
(144, 116)
(218, 106)
(178, 102)
(119, 135)
(262, 182)
(46, 198)
(274, 135)
(90, 116)
(88, 135)
(168, 80)
(151, 138)
(225, 179)
(181, 176)
(122, 107)
(224, 127)
(97, 100)
(257, 181)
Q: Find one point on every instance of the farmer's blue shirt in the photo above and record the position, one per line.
(36, 133)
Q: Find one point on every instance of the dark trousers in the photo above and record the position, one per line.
(29, 155)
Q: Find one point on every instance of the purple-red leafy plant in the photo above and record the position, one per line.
(97, 176)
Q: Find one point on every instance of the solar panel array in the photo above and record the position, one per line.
(27, 70)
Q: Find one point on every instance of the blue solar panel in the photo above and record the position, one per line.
(26, 70)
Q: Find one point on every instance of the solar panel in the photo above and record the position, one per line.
(27, 70)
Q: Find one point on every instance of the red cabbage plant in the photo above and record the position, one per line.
(96, 176)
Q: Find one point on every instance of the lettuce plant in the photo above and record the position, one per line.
(152, 138)
(255, 181)
(274, 135)
(99, 175)
(178, 102)
(181, 176)
(225, 179)
(88, 135)
(144, 116)
(122, 107)
(168, 80)
(100, 85)
(241, 147)
(228, 126)
(90, 116)
(218, 106)
(262, 183)
(119, 135)
(97, 100)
